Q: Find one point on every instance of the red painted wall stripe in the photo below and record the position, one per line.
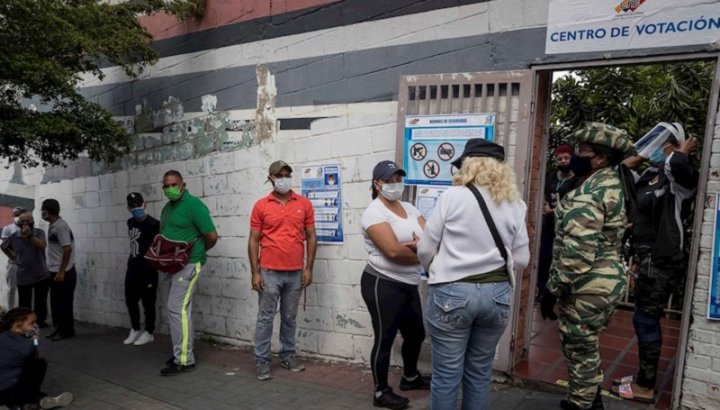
(219, 13)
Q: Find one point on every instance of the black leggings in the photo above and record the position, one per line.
(393, 306)
(27, 389)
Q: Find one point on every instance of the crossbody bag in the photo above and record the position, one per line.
(496, 236)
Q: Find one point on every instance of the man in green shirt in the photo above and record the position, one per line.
(184, 218)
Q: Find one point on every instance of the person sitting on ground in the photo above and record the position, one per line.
(21, 369)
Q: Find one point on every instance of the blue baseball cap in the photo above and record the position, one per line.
(385, 169)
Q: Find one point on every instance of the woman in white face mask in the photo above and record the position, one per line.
(391, 229)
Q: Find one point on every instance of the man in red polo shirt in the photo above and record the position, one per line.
(279, 224)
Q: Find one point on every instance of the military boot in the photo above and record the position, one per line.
(597, 404)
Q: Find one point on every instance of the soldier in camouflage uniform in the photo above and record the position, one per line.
(587, 275)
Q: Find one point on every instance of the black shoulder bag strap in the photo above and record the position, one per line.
(491, 224)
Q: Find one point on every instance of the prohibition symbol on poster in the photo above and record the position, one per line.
(431, 169)
(440, 138)
(418, 151)
(446, 151)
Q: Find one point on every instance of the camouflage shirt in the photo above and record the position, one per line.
(588, 232)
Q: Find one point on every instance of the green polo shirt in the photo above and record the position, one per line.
(187, 219)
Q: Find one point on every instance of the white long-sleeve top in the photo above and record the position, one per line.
(457, 243)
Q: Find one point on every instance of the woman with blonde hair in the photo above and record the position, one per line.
(472, 240)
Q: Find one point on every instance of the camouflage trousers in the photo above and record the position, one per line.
(653, 287)
(582, 319)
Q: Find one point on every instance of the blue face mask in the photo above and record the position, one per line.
(138, 212)
(658, 157)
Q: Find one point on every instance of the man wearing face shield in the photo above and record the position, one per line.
(666, 183)
(11, 272)
(280, 224)
(27, 248)
(587, 275)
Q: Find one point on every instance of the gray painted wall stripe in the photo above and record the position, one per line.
(358, 76)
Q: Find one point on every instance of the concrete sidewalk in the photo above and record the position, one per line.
(103, 373)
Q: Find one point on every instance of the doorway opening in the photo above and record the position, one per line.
(634, 97)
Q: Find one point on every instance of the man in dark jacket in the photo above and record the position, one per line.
(665, 190)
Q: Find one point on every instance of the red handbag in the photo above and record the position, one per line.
(167, 255)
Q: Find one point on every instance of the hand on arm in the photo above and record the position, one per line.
(384, 238)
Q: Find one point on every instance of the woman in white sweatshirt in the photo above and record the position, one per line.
(470, 292)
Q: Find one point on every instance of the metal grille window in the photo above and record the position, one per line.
(506, 94)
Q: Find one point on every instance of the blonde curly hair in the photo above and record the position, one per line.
(490, 173)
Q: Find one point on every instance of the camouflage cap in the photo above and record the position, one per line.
(605, 135)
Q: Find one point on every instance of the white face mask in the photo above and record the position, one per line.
(17, 220)
(392, 191)
(282, 185)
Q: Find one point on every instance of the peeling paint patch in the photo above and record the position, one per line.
(209, 103)
(344, 321)
(265, 118)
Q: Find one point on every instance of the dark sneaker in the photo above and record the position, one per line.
(292, 363)
(170, 361)
(420, 382)
(176, 369)
(262, 371)
(61, 400)
(390, 400)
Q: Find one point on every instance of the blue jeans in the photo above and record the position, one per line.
(285, 287)
(465, 322)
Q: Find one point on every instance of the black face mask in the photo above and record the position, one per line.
(564, 168)
(581, 166)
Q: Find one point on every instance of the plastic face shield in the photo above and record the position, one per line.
(659, 136)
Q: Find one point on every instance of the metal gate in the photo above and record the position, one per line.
(508, 94)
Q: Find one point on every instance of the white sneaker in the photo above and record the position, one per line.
(144, 338)
(62, 400)
(132, 337)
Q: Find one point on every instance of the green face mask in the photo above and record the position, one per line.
(172, 193)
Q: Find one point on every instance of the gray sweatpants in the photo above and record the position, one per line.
(9, 287)
(179, 307)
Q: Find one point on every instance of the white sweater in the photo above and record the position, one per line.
(457, 243)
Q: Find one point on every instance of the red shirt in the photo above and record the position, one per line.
(282, 230)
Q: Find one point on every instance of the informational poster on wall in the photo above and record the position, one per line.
(432, 142)
(426, 197)
(321, 185)
(600, 25)
(714, 288)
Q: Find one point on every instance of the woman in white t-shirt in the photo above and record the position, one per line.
(391, 229)
(469, 292)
